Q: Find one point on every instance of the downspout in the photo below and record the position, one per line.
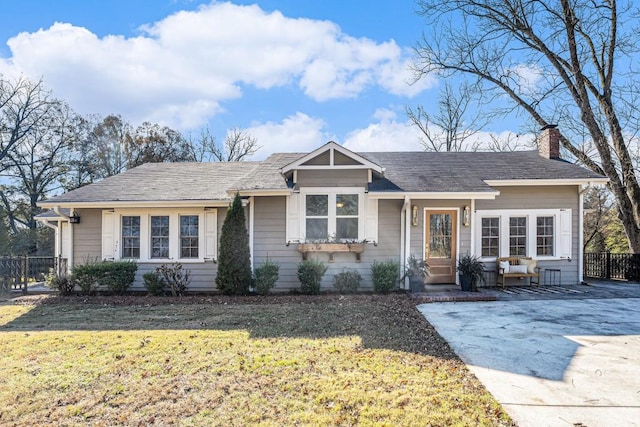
(56, 209)
(57, 235)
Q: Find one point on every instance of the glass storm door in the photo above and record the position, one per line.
(440, 245)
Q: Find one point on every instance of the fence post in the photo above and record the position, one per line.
(607, 271)
(25, 274)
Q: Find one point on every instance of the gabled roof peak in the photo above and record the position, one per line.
(332, 156)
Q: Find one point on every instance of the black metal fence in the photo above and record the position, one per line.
(18, 272)
(605, 265)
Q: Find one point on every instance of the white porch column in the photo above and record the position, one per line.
(251, 228)
(581, 233)
(407, 236)
(472, 220)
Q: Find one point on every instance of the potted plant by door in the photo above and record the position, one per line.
(470, 271)
(416, 270)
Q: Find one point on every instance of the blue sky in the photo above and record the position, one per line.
(293, 73)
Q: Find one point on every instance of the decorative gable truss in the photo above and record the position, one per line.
(332, 156)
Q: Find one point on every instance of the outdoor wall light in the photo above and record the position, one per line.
(466, 216)
(74, 219)
(414, 215)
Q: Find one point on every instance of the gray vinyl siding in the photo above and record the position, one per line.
(269, 241)
(548, 197)
(203, 275)
(332, 178)
(87, 236)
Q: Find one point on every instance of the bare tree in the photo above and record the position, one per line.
(452, 125)
(237, 146)
(38, 160)
(602, 228)
(23, 105)
(556, 62)
(152, 143)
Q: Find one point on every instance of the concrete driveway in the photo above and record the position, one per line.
(551, 362)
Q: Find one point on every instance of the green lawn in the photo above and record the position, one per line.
(326, 360)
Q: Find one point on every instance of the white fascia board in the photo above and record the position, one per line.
(138, 204)
(485, 195)
(534, 182)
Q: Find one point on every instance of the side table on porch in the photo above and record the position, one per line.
(553, 276)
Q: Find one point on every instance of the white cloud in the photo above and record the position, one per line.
(181, 69)
(297, 133)
(302, 133)
(398, 79)
(387, 134)
(527, 77)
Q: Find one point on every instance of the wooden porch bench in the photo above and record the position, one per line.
(502, 277)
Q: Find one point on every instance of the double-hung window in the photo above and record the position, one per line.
(490, 236)
(160, 236)
(130, 236)
(189, 236)
(545, 233)
(540, 233)
(518, 236)
(333, 216)
(347, 216)
(317, 216)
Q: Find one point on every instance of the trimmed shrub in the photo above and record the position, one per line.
(117, 276)
(85, 276)
(153, 283)
(385, 275)
(266, 276)
(175, 277)
(60, 282)
(234, 260)
(347, 282)
(310, 275)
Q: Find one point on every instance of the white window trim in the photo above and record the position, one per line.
(331, 192)
(174, 234)
(531, 215)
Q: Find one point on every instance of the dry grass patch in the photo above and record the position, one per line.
(327, 360)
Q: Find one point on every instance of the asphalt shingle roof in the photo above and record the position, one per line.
(466, 171)
(404, 171)
(164, 182)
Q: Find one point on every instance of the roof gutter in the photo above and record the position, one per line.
(533, 182)
(56, 209)
(441, 195)
(136, 204)
(286, 192)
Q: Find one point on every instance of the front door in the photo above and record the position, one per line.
(440, 245)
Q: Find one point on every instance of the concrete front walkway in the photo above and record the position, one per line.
(551, 362)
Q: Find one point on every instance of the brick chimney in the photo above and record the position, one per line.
(549, 142)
